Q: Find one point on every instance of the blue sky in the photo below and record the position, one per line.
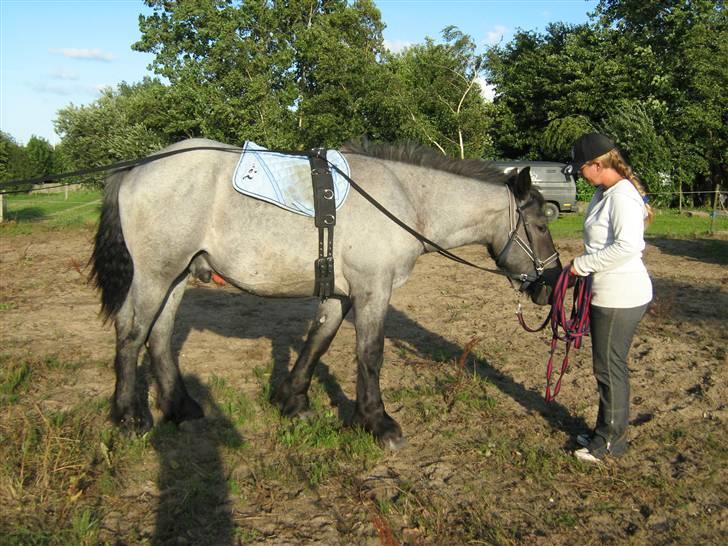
(57, 52)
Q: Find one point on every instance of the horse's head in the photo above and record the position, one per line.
(522, 245)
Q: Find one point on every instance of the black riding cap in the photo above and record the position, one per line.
(588, 147)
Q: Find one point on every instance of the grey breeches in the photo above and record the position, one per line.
(612, 331)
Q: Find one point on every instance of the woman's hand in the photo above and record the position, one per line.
(574, 273)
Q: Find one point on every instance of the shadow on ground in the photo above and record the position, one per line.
(194, 505)
(287, 338)
(712, 251)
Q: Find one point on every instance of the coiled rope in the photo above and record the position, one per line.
(574, 327)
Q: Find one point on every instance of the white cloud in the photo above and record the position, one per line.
(486, 90)
(64, 89)
(86, 54)
(494, 36)
(396, 46)
(51, 88)
(64, 74)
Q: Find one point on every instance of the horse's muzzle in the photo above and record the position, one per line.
(541, 290)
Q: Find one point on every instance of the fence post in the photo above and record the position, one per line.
(2, 208)
(680, 197)
(714, 214)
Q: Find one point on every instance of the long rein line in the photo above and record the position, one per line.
(128, 164)
(120, 166)
(417, 235)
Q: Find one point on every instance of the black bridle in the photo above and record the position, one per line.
(539, 266)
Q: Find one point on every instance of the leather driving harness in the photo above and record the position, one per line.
(325, 220)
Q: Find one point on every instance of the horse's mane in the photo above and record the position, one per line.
(417, 154)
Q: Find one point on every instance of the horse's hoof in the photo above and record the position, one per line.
(385, 429)
(289, 404)
(306, 415)
(133, 425)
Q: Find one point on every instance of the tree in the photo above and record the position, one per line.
(689, 42)
(114, 128)
(14, 164)
(439, 91)
(40, 156)
(544, 79)
(653, 73)
(284, 73)
(647, 151)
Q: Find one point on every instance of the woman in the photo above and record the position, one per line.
(621, 288)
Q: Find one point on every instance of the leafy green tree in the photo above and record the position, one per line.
(653, 73)
(647, 151)
(560, 134)
(566, 78)
(439, 92)
(284, 73)
(40, 156)
(14, 163)
(689, 41)
(5, 144)
(113, 128)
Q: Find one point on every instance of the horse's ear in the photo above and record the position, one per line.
(521, 186)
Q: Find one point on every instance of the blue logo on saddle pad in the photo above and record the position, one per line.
(285, 180)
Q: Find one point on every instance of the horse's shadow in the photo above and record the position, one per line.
(287, 337)
(189, 510)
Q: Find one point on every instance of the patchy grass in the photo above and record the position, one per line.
(70, 477)
(30, 213)
(667, 223)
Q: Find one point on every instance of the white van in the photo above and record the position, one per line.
(553, 180)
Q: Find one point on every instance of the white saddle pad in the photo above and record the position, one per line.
(285, 180)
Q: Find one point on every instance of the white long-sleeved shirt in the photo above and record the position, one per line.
(613, 242)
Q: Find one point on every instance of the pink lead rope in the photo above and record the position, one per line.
(575, 327)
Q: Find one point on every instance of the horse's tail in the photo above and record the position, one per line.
(112, 267)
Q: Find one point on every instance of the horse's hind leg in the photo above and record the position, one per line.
(133, 322)
(291, 395)
(172, 397)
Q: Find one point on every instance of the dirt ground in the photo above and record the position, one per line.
(679, 396)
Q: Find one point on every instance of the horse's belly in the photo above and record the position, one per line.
(276, 288)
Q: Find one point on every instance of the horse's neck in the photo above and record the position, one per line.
(455, 211)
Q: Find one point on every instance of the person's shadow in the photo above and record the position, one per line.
(194, 504)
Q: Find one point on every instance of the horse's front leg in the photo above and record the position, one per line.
(291, 394)
(370, 310)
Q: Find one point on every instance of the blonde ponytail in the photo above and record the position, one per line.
(613, 159)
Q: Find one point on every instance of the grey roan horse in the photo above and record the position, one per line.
(179, 215)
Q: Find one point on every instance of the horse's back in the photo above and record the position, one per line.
(182, 205)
